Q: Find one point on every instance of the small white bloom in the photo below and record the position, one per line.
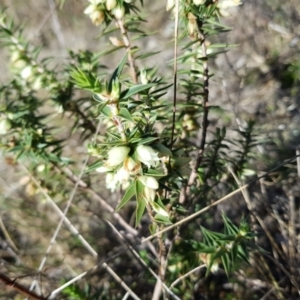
(41, 168)
(132, 166)
(170, 4)
(5, 126)
(119, 12)
(199, 2)
(147, 155)
(111, 4)
(111, 181)
(97, 17)
(26, 72)
(122, 175)
(149, 194)
(225, 4)
(144, 77)
(117, 155)
(149, 181)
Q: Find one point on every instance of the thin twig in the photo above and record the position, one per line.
(54, 293)
(62, 220)
(120, 24)
(136, 255)
(12, 283)
(67, 222)
(57, 26)
(175, 70)
(63, 217)
(186, 275)
(7, 236)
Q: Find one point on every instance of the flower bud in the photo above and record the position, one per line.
(5, 126)
(97, 17)
(147, 155)
(116, 89)
(123, 175)
(111, 181)
(26, 73)
(119, 12)
(117, 155)
(144, 78)
(111, 4)
(149, 194)
(199, 2)
(132, 166)
(149, 181)
(170, 4)
(192, 24)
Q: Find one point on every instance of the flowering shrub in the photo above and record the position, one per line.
(154, 151)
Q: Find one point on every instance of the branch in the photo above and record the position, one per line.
(126, 41)
(12, 283)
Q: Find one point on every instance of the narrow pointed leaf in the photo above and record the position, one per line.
(117, 72)
(135, 90)
(127, 196)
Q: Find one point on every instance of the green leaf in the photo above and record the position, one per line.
(141, 203)
(142, 56)
(105, 110)
(147, 140)
(135, 90)
(152, 228)
(226, 263)
(116, 74)
(124, 113)
(98, 163)
(162, 149)
(162, 219)
(127, 196)
(154, 173)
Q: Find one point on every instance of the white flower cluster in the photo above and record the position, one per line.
(96, 10)
(130, 167)
(121, 168)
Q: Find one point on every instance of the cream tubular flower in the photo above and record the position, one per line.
(97, 16)
(149, 182)
(117, 155)
(111, 181)
(131, 166)
(122, 175)
(147, 155)
(225, 4)
(111, 4)
(149, 194)
(119, 12)
(199, 2)
(170, 4)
